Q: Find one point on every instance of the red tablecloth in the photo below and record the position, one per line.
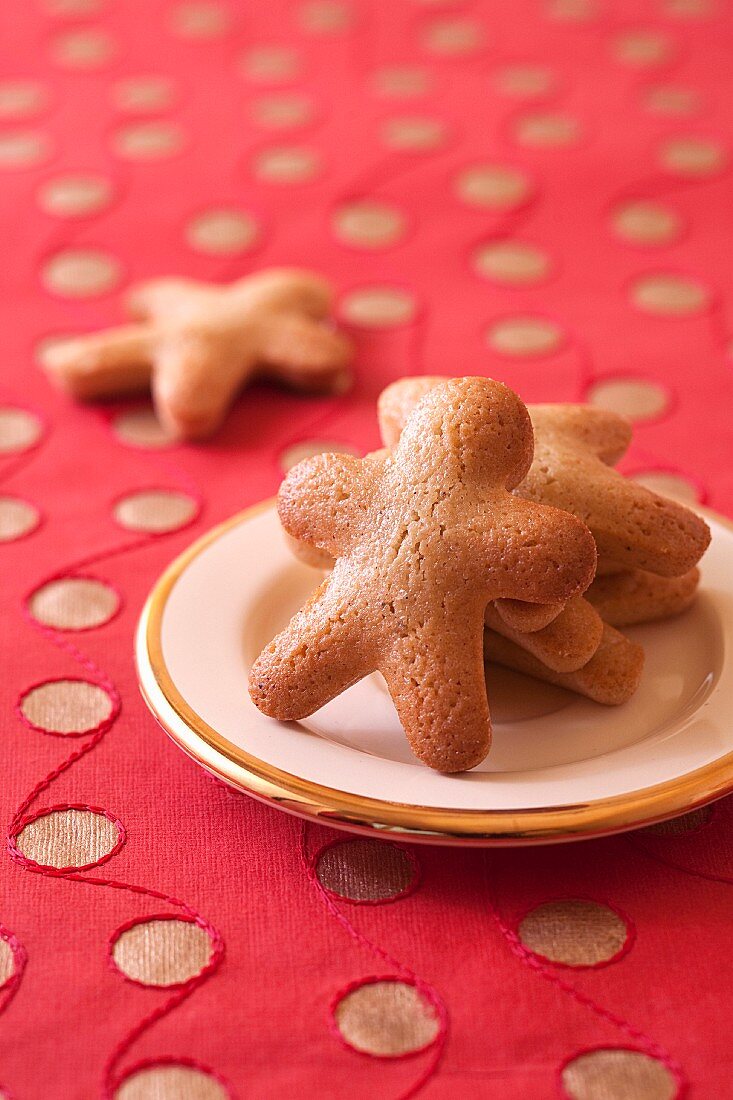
(539, 191)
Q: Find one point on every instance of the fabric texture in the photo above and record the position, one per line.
(537, 191)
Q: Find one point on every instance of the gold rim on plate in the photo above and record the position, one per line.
(357, 813)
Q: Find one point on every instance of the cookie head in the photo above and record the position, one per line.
(476, 429)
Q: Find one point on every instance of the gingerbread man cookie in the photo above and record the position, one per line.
(575, 449)
(196, 344)
(422, 539)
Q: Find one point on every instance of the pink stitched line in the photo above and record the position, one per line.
(20, 957)
(430, 994)
(534, 962)
(710, 876)
(193, 1063)
(111, 1076)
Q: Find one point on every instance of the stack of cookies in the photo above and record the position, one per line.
(483, 529)
(648, 548)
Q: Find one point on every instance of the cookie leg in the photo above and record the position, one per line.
(566, 644)
(527, 617)
(611, 676)
(311, 662)
(441, 701)
(193, 386)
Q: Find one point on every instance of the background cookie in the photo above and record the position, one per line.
(611, 676)
(637, 597)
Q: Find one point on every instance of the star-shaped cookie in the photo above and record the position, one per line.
(422, 540)
(196, 344)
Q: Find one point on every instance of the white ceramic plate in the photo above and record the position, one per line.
(561, 767)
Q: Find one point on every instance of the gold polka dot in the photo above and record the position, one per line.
(74, 603)
(386, 1018)
(524, 336)
(669, 295)
(453, 37)
(143, 93)
(7, 961)
(66, 706)
(23, 149)
(667, 484)
(171, 1082)
(401, 82)
(19, 430)
(682, 826)
(73, 196)
(670, 99)
(68, 838)
(72, 8)
(148, 140)
(81, 273)
(495, 186)
(222, 232)
(417, 135)
(642, 48)
(368, 224)
(577, 933)
(290, 165)
(692, 156)
(617, 1075)
(573, 11)
(141, 428)
(21, 99)
(291, 456)
(511, 262)
(325, 17)
(378, 307)
(82, 49)
(155, 511)
(270, 64)
(644, 222)
(689, 9)
(365, 870)
(524, 81)
(632, 397)
(162, 952)
(200, 20)
(282, 112)
(547, 130)
(17, 518)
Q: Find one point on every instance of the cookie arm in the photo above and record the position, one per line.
(605, 434)
(317, 656)
(322, 500)
(303, 353)
(530, 552)
(103, 364)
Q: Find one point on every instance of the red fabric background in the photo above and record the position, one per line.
(261, 1020)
